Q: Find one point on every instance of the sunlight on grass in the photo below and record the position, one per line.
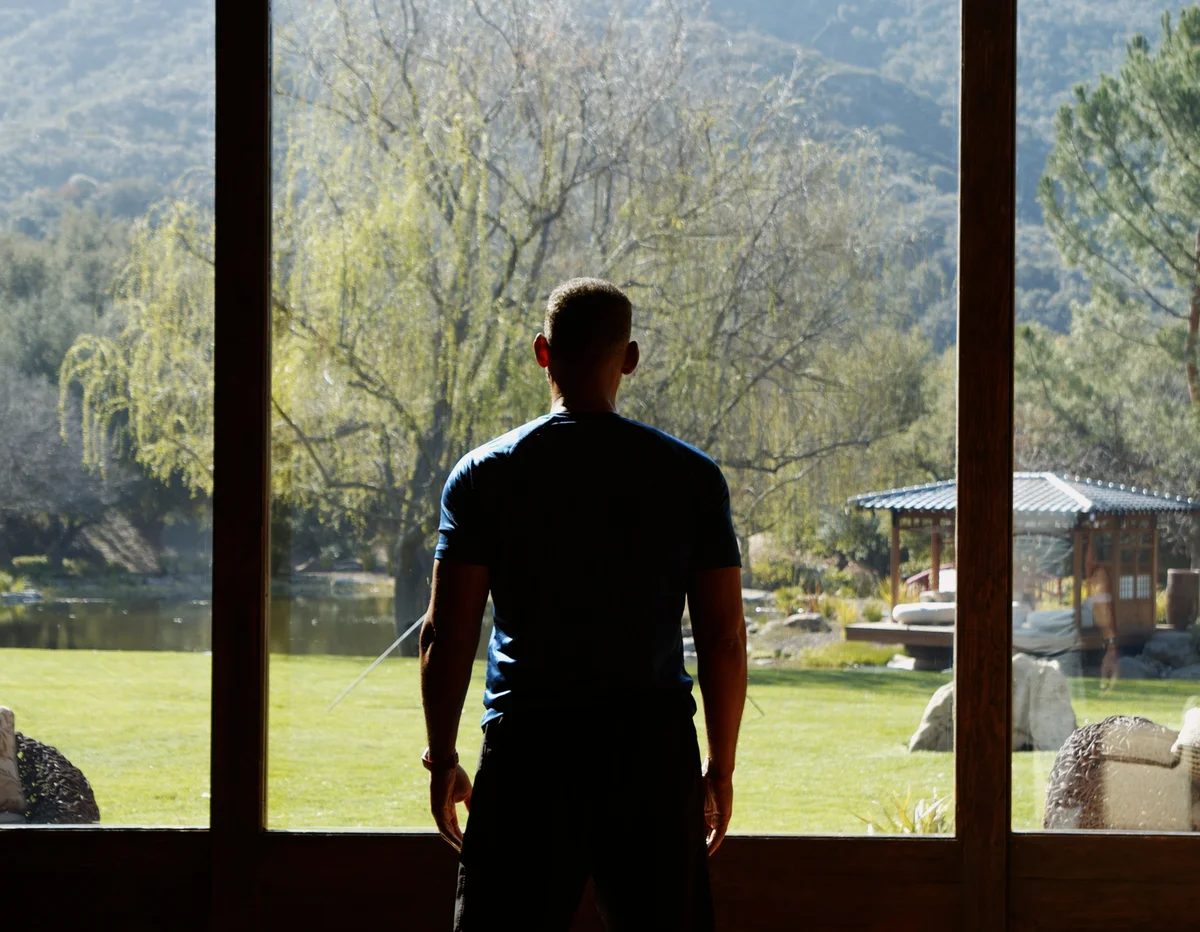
(820, 749)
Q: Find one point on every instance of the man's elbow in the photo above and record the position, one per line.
(724, 646)
(426, 639)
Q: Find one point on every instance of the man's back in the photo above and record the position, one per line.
(590, 531)
(590, 525)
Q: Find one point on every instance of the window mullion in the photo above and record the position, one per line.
(983, 633)
(241, 453)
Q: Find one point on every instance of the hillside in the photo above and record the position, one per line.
(119, 92)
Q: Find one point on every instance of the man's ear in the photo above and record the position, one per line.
(541, 350)
(633, 355)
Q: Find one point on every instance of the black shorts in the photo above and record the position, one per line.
(555, 803)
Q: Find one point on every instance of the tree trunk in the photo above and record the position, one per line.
(1193, 330)
(57, 551)
(413, 567)
(747, 574)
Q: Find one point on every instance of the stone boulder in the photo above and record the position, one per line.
(1170, 648)
(12, 794)
(806, 621)
(936, 731)
(1122, 773)
(1043, 717)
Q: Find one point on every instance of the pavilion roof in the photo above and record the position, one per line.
(1043, 493)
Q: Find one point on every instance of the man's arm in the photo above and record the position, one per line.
(715, 606)
(449, 639)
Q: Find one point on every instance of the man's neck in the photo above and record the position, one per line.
(599, 404)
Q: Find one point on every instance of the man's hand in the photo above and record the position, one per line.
(1110, 667)
(448, 788)
(718, 807)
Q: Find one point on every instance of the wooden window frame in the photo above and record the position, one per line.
(237, 875)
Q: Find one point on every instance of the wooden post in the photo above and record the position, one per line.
(1077, 578)
(895, 559)
(935, 571)
(1153, 572)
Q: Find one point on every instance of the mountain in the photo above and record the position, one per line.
(111, 100)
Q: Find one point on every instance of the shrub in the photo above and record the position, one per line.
(906, 816)
(31, 560)
(872, 612)
(792, 599)
(840, 610)
(773, 574)
(883, 591)
(855, 585)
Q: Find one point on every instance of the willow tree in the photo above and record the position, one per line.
(441, 166)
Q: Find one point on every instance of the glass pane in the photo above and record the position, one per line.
(106, 349)
(1106, 399)
(1143, 586)
(775, 189)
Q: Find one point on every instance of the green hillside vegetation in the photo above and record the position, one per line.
(108, 105)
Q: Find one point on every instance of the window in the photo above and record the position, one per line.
(989, 878)
(1106, 269)
(106, 408)
(793, 305)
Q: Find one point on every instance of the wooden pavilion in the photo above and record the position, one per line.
(1112, 528)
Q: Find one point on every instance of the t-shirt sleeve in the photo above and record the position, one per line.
(715, 543)
(462, 526)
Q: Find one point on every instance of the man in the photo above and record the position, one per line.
(589, 530)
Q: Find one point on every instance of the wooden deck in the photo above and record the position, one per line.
(888, 632)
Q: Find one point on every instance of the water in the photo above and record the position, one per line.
(321, 624)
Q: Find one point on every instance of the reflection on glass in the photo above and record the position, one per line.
(106, 350)
(789, 247)
(1108, 279)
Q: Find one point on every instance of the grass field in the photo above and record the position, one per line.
(827, 747)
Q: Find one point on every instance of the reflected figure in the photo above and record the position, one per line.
(590, 531)
(1101, 601)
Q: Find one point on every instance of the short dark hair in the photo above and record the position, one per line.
(587, 319)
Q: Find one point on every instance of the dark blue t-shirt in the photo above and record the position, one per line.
(590, 525)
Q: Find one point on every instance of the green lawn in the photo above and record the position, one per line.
(827, 746)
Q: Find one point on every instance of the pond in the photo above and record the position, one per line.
(319, 624)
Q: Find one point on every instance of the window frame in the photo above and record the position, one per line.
(236, 874)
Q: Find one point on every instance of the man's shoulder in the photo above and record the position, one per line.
(496, 449)
(670, 445)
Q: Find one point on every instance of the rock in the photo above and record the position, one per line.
(1135, 668)
(936, 731)
(1043, 717)
(806, 621)
(1122, 774)
(1171, 648)
(12, 796)
(1190, 672)
(900, 662)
